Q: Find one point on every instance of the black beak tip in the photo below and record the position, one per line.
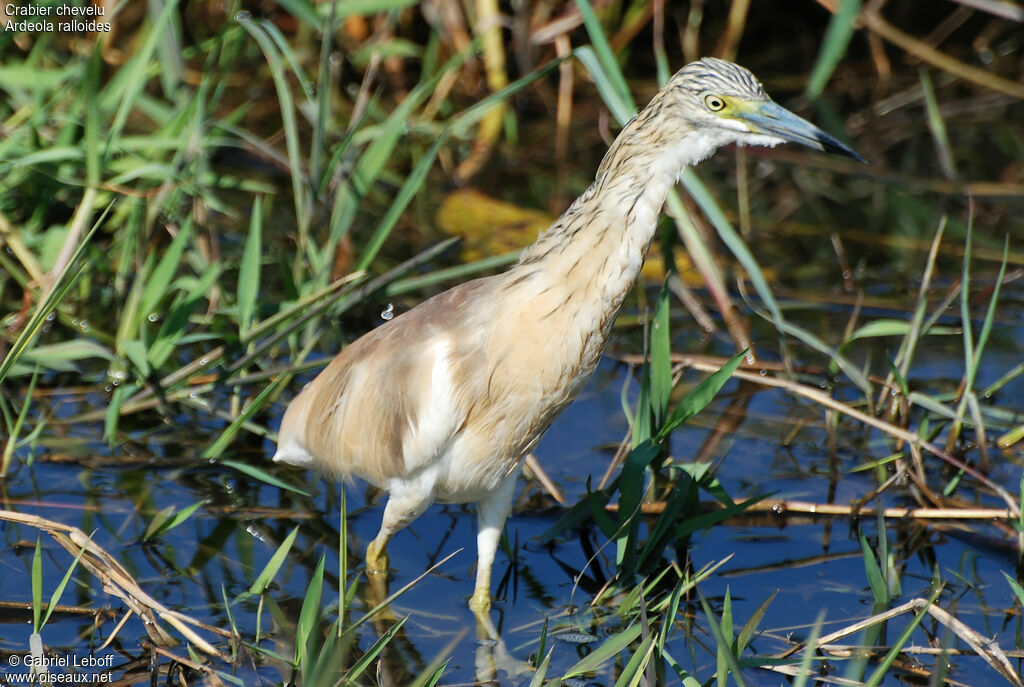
(850, 153)
(831, 145)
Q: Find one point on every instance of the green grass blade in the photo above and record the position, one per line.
(641, 426)
(724, 648)
(965, 308)
(686, 680)
(250, 409)
(929, 403)
(62, 356)
(461, 122)
(249, 270)
(91, 133)
(450, 274)
(178, 319)
(874, 573)
(833, 47)
(661, 363)
(722, 643)
(608, 650)
(937, 126)
(431, 675)
(836, 358)
(810, 652)
(1018, 590)
(161, 517)
(261, 31)
(309, 615)
(701, 396)
(621, 105)
(990, 314)
(315, 305)
(342, 553)
(264, 476)
(405, 195)
(707, 520)
(61, 285)
(14, 429)
(159, 282)
(170, 51)
(606, 58)
(542, 670)
(631, 491)
(307, 11)
(381, 148)
(322, 98)
(887, 327)
(897, 646)
(269, 571)
(59, 591)
(126, 91)
(909, 344)
(542, 641)
(364, 662)
(750, 627)
(683, 495)
(294, 63)
(37, 586)
(167, 519)
(633, 672)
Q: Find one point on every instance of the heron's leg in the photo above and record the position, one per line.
(492, 512)
(408, 499)
(377, 556)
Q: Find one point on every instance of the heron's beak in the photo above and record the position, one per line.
(768, 117)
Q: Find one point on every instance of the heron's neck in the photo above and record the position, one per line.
(598, 245)
(585, 264)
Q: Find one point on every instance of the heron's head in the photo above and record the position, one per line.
(727, 104)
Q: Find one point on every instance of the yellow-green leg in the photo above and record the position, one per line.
(406, 502)
(377, 557)
(492, 512)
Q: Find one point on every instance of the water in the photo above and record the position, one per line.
(814, 565)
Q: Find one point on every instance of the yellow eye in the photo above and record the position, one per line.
(714, 103)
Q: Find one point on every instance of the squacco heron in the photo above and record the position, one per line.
(443, 402)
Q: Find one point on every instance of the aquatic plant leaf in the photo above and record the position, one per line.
(269, 571)
(631, 490)
(166, 520)
(264, 476)
(308, 615)
(158, 283)
(873, 572)
(607, 651)
(661, 363)
(701, 396)
(249, 270)
(833, 46)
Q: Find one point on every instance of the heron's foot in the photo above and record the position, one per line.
(480, 603)
(376, 559)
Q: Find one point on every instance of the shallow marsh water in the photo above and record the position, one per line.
(814, 566)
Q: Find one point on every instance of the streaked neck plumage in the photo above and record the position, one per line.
(595, 250)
